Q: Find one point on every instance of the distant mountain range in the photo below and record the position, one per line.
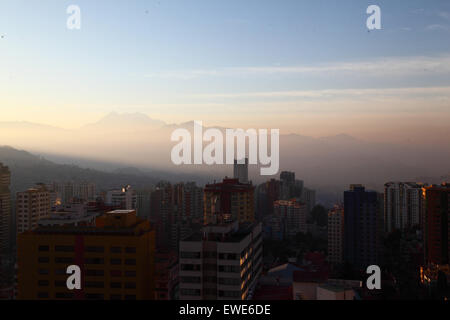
(132, 141)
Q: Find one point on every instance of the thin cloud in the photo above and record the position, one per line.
(438, 27)
(435, 92)
(402, 66)
(444, 15)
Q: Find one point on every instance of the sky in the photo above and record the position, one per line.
(308, 67)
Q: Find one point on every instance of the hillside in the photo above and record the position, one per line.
(28, 169)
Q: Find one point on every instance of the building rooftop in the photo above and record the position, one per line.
(227, 232)
(121, 212)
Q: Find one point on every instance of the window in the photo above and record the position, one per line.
(94, 261)
(94, 284)
(130, 262)
(229, 294)
(130, 285)
(190, 267)
(63, 260)
(60, 272)
(190, 292)
(43, 271)
(115, 285)
(116, 273)
(95, 273)
(64, 248)
(130, 250)
(60, 284)
(116, 262)
(95, 249)
(116, 250)
(190, 279)
(43, 259)
(44, 248)
(130, 274)
(190, 255)
(43, 295)
(43, 283)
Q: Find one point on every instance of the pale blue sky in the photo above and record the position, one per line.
(214, 59)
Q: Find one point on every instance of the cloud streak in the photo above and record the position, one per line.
(392, 66)
(433, 92)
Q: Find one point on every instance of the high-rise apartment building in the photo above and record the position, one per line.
(65, 193)
(143, 203)
(290, 187)
(31, 206)
(267, 194)
(437, 223)
(363, 226)
(116, 258)
(124, 198)
(336, 234)
(292, 216)
(85, 191)
(402, 205)
(229, 200)
(223, 262)
(166, 275)
(175, 211)
(240, 170)
(5, 209)
(309, 198)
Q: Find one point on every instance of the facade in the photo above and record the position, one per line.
(75, 214)
(166, 276)
(363, 225)
(31, 206)
(116, 258)
(176, 210)
(273, 228)
(309, 197)
(437, 224)
(267, 194)
(143, 203)
(402, 205)
(240, 170)
(161, 212)
(124, 198)
(223, 262)
(292, 216)
(229, 200)
(336, 235)
(289, 187)
(5, 208)
(332, 292)
(67, 192)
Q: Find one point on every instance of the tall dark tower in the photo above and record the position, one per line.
(240, 170)
(363, 225)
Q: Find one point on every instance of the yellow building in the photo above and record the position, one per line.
(116, 258)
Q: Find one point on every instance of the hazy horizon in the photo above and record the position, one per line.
(364, 104)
